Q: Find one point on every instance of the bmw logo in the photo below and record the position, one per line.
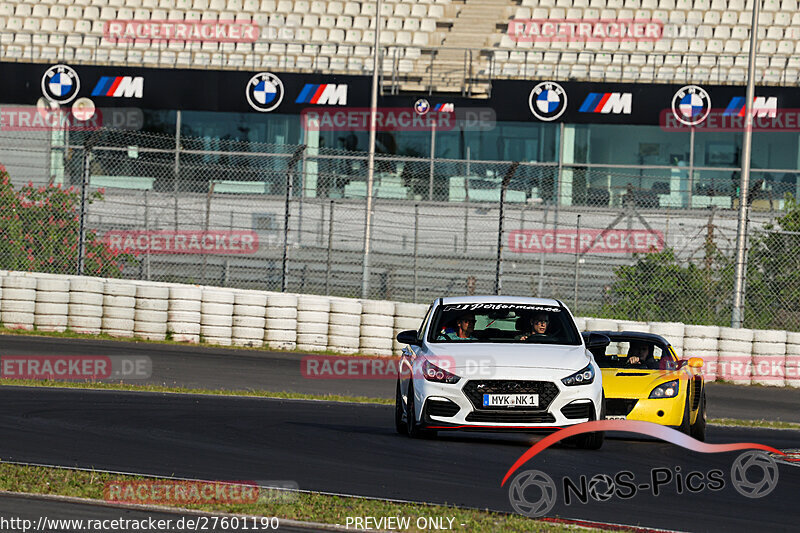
(264, 92)
(422, 106)
(60, 84)
(548, 101)
(691, 105)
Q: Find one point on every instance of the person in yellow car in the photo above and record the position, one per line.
(640, 355)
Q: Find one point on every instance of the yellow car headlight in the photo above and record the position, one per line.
(666, 390)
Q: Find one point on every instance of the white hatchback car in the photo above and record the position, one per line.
(498, 363)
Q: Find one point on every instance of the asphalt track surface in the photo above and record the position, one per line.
(352, 448)
(231, 369)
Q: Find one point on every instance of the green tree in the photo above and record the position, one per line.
(772, 294)
(658, 287)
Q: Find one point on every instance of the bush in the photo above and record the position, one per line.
(39, 231)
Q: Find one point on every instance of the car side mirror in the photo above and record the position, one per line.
(696, 362)
(408, 337)
(597, 340)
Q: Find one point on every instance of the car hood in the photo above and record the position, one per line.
(634, 383)
(467, 358)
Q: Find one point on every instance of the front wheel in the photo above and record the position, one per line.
(698, 429)
(593, 440)
(413, 429)
(399, 412)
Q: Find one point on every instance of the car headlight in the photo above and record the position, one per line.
(581, 377)
(666, 390)
(433, 373)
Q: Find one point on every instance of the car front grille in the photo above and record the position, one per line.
(620, 406)
(474, 390)
(578, 410)
(519, 417)
(444, 408)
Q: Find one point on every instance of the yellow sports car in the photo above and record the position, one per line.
(643, 379)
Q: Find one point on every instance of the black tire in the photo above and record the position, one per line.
(698, 429)
(685, 427)
(413, 429)
(594, 440)
(399, 411)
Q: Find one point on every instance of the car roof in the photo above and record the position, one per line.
(527, 300)
(623, 335)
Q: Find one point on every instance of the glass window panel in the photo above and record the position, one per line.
(618, 144)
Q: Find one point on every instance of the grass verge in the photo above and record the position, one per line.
(771, 424)
(68, 334)
(310, 507)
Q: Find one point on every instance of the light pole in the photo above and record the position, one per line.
(737, 316)
(373, 112)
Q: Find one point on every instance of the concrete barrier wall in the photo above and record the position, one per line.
(223, 316)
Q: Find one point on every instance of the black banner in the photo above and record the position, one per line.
(185, 89)
(673, 106)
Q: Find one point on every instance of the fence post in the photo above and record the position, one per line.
(416, 240)
(205, 227)
(330, 247)
(87, 155)
(499, 268)
(146, 230)
(577, 264)
(433, 157)
(289, 179)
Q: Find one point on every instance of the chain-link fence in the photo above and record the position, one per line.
(607, 241)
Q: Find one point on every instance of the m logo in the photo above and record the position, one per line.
(119, 87)
(444, 108)
(616, 103)
(323, 94)
(762, 106)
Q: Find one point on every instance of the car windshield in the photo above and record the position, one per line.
(504, 322)
(635, 354)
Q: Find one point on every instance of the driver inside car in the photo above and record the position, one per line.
(537, 325)
(640, 355)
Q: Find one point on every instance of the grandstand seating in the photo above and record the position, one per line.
(704, 41)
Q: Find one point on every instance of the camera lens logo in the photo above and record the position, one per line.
(539, 486)
(601, 487)
(548, 101)
(264, 92)
(691, 105)
(754, 474)
(60, 84)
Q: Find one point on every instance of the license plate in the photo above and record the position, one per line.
(511, 400)
(616, 417)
